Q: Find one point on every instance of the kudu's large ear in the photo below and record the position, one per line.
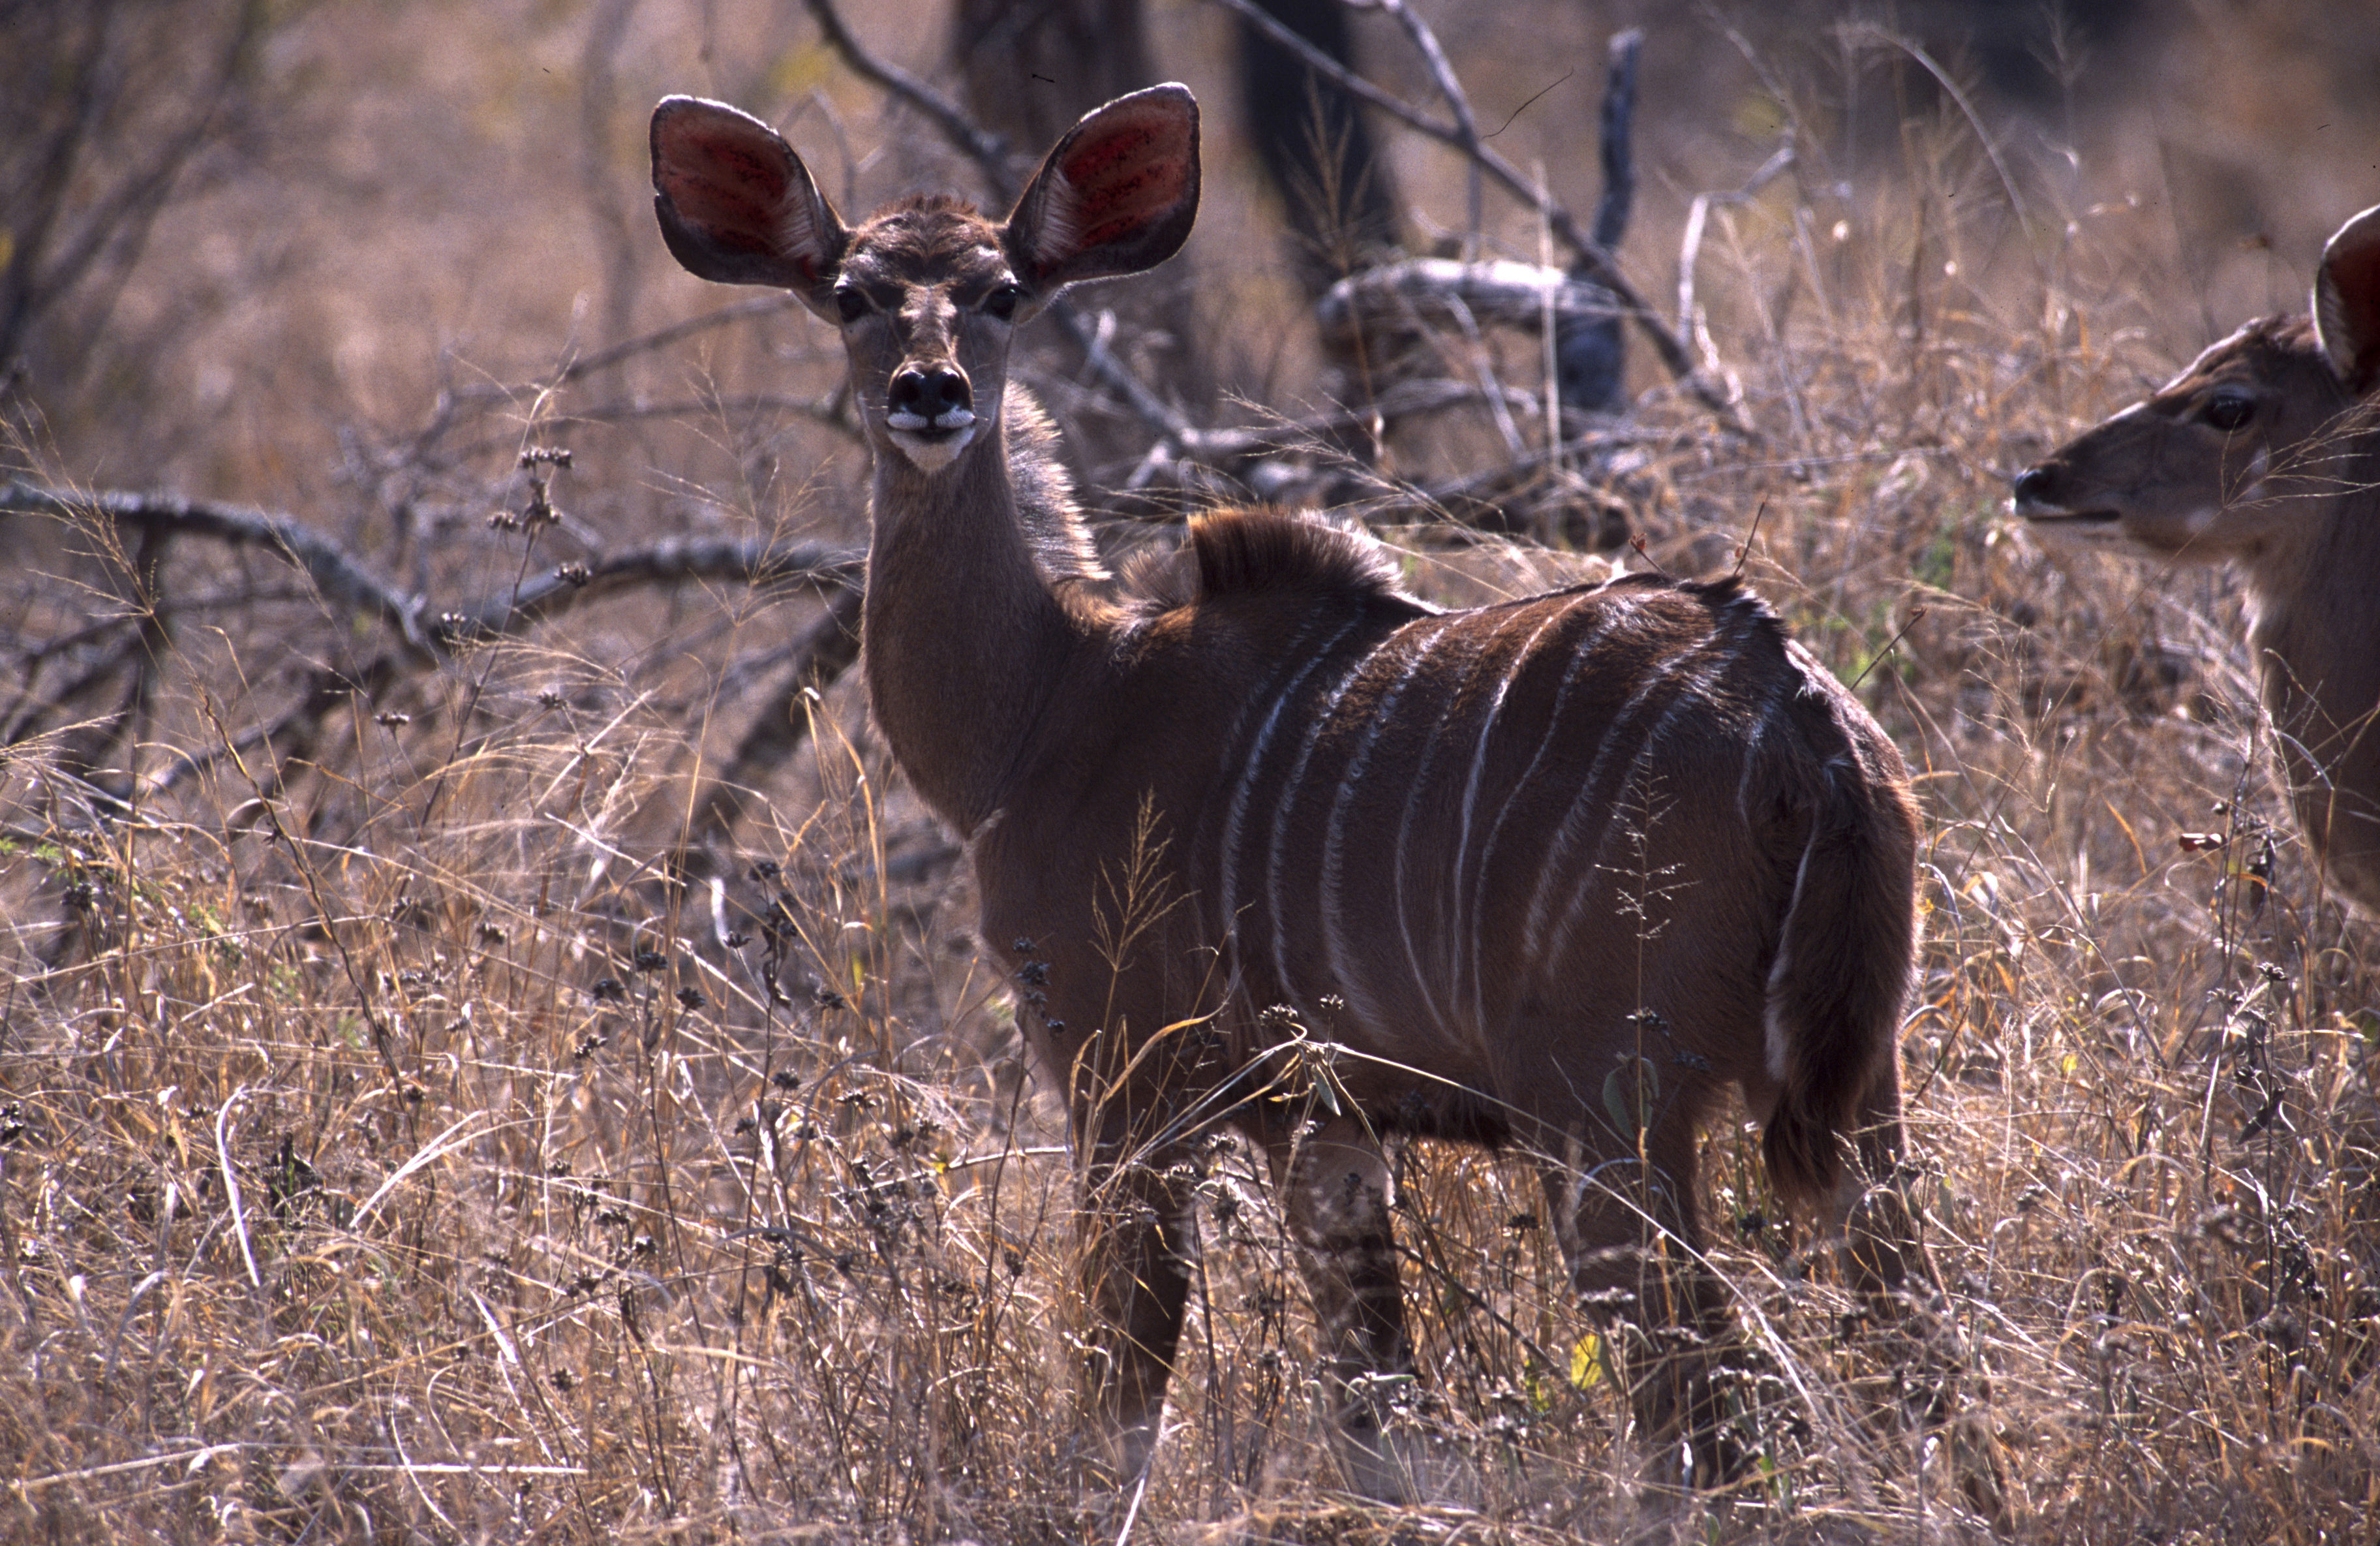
(1117, 194)
(737, 205)
(2347, 301)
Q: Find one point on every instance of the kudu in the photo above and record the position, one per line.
(1272, 845)
(2266, 451)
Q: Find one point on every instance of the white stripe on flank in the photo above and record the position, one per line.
(1229, 883)
(1570, 830)
(1689, 696)
(1279, 669)
(1361, 1005)
(1718, 655)
(1779, 696)
(1290, 789)
(1772, 1017)
(1577, 666)
(1275, 674)
(1462, 930)
(1433, 740)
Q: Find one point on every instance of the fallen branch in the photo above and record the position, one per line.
(427, 634)
(1228, 450)
(428, 631)
(1419, 294)
(334, 572)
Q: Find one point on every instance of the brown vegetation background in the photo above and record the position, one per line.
(443, 1110)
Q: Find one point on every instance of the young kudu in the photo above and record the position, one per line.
(1274, 846)
(2266, 451)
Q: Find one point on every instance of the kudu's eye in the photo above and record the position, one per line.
(2229, 411)
(1002, 302)
(849, 303)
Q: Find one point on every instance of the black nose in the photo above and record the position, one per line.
(2034, 486)
(929, 393)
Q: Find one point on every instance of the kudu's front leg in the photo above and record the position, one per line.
(1333, 1181)
(1137, 1239)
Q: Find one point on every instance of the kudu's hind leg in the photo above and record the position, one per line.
(1935, 1383)
(1137, 1238)
(1334, 1186)
(1634, 1258)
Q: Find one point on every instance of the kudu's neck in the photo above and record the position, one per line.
(2316, 637)
(969, 640)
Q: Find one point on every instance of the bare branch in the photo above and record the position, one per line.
(1868, 32)
(1421, 293)
(985, 148)
(47, 261)
(27, 718)
(1690, 246)
(662, 337)
(1146, 406)
(1450, 86)
(677, 561)
(604, 358)
(431, 632)
(328, 564)
(294, 734)
(820, 657)
(1592, 259)
(1228, 450)
(827, 412)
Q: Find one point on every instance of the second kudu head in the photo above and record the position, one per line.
(2266, 452)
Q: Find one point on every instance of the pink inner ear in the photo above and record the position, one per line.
(2346, 300)
(2357, 278)
(724, 184)
(1124, 174)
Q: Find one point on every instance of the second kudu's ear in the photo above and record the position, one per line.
(1119, 194)
(737, 204)
(2347, 302)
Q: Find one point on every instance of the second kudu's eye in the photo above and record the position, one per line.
(1002, 302)
(2228, 410)
(849, 303)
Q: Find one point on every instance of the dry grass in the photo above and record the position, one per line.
(405, 1142)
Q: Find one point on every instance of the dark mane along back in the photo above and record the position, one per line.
(1721, 592)
(1261, 551)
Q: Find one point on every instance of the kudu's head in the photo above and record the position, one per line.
(2245, 452)
(929, 292)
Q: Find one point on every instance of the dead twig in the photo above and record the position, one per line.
(1228, 450)
(1691, 319)
(429, 631)
(762, 563)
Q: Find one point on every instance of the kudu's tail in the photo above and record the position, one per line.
(1840, 980)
